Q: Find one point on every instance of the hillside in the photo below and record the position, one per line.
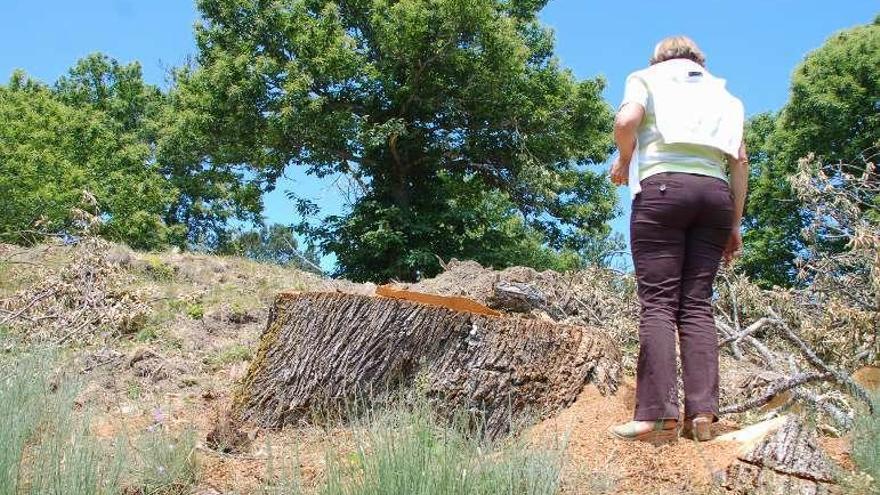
(160, 341)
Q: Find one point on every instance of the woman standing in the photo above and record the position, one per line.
(679, 133)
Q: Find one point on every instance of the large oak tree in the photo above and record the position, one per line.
(455, 125)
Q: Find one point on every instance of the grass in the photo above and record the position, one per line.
(158, 270)
(404, 450)
(195, 311)
(231, 354)
(164, 464)
(866, 444)
(48, 446)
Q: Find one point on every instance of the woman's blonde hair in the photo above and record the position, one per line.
(678, 47)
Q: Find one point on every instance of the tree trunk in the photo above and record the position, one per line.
(324, 350)
(787, 461)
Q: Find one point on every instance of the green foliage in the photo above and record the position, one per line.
(463, 219)
(212, 196)
(408, 451)
(235, 353)
(273, 244)
(146, 334)
(428, 108)
(833, 113)
(51, 152)
(772, 221)
(158, 270)
(196, 311)
(101, 129)
(133, 390)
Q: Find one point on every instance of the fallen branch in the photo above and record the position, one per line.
(801, 394)
(754, 327)
(727, 332)
(778, 388)
(853, 387)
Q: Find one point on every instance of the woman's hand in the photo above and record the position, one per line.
(619, 172)
(734, 247)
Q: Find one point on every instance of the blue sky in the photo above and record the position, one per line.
(754, 44)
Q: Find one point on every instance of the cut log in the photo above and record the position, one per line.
(788, 460)
(868, 377)
(749, 436)
(324, 350)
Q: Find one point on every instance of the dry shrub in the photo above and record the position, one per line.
(834, 309)
(89, 296)
(836, 305)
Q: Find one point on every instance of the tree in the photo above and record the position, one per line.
(208, 199)
(833, 113)
(215, 196)
(100, 128)
(275, 243)
(455, 125)
(52, 152)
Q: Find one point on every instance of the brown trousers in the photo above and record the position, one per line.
(679, 227)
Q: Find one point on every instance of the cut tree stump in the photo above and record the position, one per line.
(324, 350)
(783, 458)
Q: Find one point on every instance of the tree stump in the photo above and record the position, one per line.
(787, 461)
(324, 350)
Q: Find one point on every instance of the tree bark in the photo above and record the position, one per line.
(324, 350)
(788, 461)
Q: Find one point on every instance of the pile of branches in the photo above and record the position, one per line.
(812, 337)
(593, 297)
(88, 296)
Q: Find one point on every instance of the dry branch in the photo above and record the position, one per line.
(754, 327)
(816, 361)
(776, 389)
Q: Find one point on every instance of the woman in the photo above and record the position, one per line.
(680, 134)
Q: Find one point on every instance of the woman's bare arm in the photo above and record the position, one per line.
(626, 125)
(739, 185)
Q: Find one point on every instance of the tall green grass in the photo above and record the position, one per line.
(866, 444)
(408, 451)
(47, 447)
(164, 464)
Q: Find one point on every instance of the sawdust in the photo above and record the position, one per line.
(595, 463)
(598, 463)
